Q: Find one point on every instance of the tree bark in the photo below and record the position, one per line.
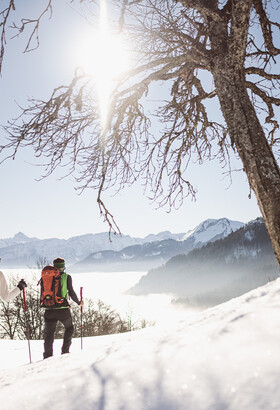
(248, 137)
(228, 48)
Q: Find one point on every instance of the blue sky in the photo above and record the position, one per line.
(52, 207)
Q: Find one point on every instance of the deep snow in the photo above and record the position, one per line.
(226, 357)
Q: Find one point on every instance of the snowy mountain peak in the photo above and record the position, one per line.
(161, 236)
(20, 237)
(212, 230)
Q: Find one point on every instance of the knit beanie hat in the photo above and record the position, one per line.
(59, 263)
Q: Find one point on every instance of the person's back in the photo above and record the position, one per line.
(61, 313)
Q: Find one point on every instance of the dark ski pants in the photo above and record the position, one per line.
(52, 316)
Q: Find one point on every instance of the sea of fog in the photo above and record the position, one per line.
(112, 288)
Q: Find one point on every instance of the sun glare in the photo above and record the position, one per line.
(102, 55)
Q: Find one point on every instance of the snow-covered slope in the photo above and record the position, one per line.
(212, 230)
(218, 271)
(161, 236)
(224, 358)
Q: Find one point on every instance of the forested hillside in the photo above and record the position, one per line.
(218, 271)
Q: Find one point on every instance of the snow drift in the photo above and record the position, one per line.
(226, 357)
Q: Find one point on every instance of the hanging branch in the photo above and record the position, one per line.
(171, 45)
(4, 15)
(35, 23)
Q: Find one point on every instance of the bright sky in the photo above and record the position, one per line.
(52, 207)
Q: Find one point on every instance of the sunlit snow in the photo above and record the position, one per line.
(226, 357)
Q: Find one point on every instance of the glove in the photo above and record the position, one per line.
(22, 284)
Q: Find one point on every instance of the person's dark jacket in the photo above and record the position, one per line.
(71, 291)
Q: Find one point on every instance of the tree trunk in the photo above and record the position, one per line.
(250, 141)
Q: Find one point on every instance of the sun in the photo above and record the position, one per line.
(102, 55)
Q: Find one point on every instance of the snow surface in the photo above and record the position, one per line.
(224, 358)
(210, 229)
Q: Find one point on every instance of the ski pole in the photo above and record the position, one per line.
(81, 295)
(26, 323)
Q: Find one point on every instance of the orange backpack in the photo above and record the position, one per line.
(51, 288)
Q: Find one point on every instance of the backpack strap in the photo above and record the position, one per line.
(63, 283)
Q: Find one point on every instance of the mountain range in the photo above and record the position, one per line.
(217, 260)
(217, 271)
(96, 252)
(22, 251)
(155, 253)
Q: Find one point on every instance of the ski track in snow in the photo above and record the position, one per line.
(224, 358)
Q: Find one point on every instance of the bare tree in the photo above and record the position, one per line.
(13, 317)
(41, 262)
(102, 319)
(98, 317)
(33, 316)
(175, 42)
(9, 319)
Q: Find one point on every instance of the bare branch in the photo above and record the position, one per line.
(208, 9)
(34, 36)
(266, 28)
(174, 43)
(269, 100)
(261, 72)
(4, 14)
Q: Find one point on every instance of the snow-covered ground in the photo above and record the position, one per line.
(227, 357)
